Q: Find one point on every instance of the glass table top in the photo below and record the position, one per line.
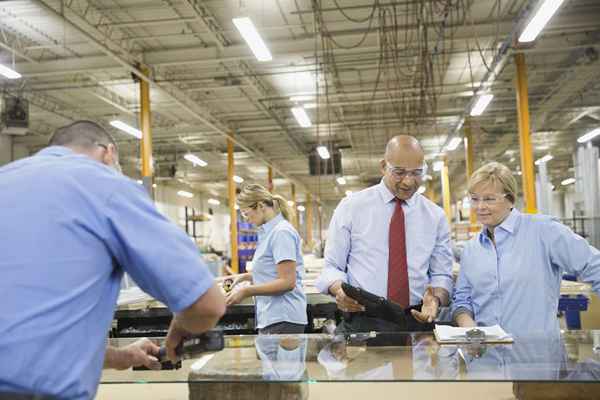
(572, 356)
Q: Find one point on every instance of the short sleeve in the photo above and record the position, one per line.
(159, 256)
(284, 244)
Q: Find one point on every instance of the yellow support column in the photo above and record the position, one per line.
(233, 232)
(469, 160)
(294, 211)
(527, 169)
(270, 186)
(145, 125)
(446, 191)
(309, 221)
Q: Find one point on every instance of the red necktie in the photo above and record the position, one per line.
(398, 289)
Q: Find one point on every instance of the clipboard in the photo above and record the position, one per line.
(464, 340)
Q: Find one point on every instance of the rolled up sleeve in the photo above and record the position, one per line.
(440, 264)
(461, 299)
(337, 249)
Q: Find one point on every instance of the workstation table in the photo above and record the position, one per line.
(566, 366)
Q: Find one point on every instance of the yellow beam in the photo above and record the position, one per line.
(309, 221)
(233, 232)
(446, 191)
(528, 174)
(469, 160)
(145, 125)
(270, 185)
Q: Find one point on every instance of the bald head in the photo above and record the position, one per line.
(403, 144)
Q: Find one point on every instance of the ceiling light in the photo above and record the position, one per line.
(126, 128)
(544, 159)
(183, 193)
(238, 179)
(9, 73)
(195, 160)
(589, 136)
(299, 99)
(568, 181)
(341, 180)
(454, 143)
(481, 104)
(140, 182)
(252, 37)
(290, 203)
(438, 165)
(154, 185)
(323, 152)
(214, 202)
(539, 20)
(302, 117)
(236, 207)
(421, 189)
(301, 208)
(348, 192)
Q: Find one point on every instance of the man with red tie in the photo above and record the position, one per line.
(391, 241)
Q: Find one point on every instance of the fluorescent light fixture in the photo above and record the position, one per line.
(568, 181)
(214, 202)
(421, 189)
(454, 143)
(460, 124)
(140, 182)
(290, 203)
(552, 187)
(539, 20)
(126, 128)
(308, 106)
(154, 185)
(252, 37)
(9, 73)
(438, 165)
(299, 99)
(544, 159)
(183, 193)
(348, 192)
(238, 179)
(481, 104)
(589, 136)
(301, 208)
(195, 160)
(302, 117)
(323, 152)
(341, 180)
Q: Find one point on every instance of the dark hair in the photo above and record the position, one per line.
(83, 134)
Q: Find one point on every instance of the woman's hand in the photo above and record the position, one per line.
(236, 296)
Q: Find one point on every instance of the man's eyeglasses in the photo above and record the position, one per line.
(399, 173)
(117, 166)
(486, 200)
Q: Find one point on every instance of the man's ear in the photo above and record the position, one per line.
(382, 167)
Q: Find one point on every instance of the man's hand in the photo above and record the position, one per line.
(236, 296)
(344, 302)
(140, 353)
(430, 308)
(175, 336)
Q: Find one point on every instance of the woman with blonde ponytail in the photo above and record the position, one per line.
(277, 265)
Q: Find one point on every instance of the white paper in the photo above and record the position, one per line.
(445, 332)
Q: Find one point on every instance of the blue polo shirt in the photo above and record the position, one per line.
(278, 241)
(70, 227)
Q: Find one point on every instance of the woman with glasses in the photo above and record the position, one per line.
(277, 266)
(511, 272)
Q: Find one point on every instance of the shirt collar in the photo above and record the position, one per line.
(57, 151)
(268, 226)
(509, 224)
(388, 196)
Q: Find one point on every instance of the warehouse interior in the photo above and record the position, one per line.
(198, 113)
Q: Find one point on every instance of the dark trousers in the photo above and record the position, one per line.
(360, 322)
(282, 328)
(24, 396)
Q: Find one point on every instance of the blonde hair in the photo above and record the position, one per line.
(493, 173)
(253, 193)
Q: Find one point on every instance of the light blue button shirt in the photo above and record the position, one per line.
(70, 228)
(278, 241)
(357, 248)
(517, 283)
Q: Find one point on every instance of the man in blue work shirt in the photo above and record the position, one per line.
(72, 225)
(391, 241)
